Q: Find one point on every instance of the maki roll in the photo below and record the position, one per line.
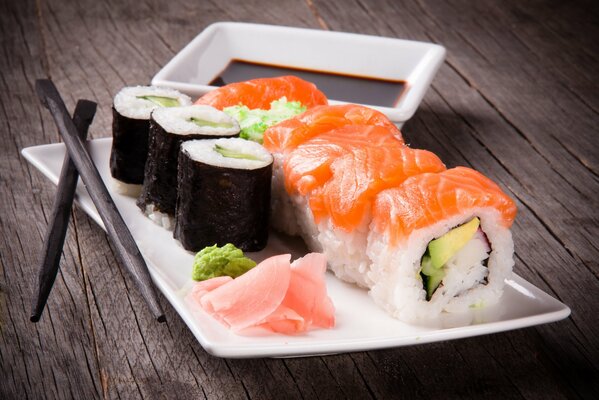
(169, 127)
(224, 194)
(130, 125)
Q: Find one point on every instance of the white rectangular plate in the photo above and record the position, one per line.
(361, 325)
(416, 63)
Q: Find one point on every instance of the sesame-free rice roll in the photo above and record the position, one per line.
(131, 111)
(224, 194)
(169, 127)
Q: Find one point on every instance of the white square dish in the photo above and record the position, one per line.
(360, 324)
(209, 53)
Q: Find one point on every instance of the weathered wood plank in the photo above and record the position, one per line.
(138, 357)
(45, 359)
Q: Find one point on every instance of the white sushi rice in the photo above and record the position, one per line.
(306, 225)
(164, 220)
(395, 270)
(346, 251)
(205, 151)
(177, 120)
(128, 104)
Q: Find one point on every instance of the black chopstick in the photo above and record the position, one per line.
(59, 220)
(126, 249)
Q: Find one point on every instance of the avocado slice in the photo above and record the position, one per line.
(443, 248)
(440, 250)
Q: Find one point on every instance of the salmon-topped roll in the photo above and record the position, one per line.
(309, 165)
(331, 181)
(342, 207)
(440, 242)
(289, 134)
(261, 92)
(352, 124)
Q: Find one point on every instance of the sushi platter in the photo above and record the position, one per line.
(360, 324)
(389, 246)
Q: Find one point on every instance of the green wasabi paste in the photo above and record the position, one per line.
(253, 123)
(214, 261)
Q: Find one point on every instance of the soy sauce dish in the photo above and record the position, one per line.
(390, 75)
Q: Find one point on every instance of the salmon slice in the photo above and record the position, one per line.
(308, 166)
(357, 177)
(259, 93)
(307, 293)
(425, 199)
(287, 135)
(253, 296)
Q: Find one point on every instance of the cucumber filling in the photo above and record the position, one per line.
(431, 276)
(440, 251)
(210, 124)
(223, 151)
(161, 101)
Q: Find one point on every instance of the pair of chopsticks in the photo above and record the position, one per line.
(78, 161)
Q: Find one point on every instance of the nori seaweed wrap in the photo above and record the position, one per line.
(169, 127)
(130, 125)
(224, 194)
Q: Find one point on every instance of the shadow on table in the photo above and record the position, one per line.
(455, 137)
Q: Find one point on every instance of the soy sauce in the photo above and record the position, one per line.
(337, 86)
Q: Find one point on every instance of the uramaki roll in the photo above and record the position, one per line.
(440, 242)
(283, 138)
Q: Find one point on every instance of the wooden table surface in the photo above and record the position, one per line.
(517, 99)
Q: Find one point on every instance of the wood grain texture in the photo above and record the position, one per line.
(46, 359)
(516, 99)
